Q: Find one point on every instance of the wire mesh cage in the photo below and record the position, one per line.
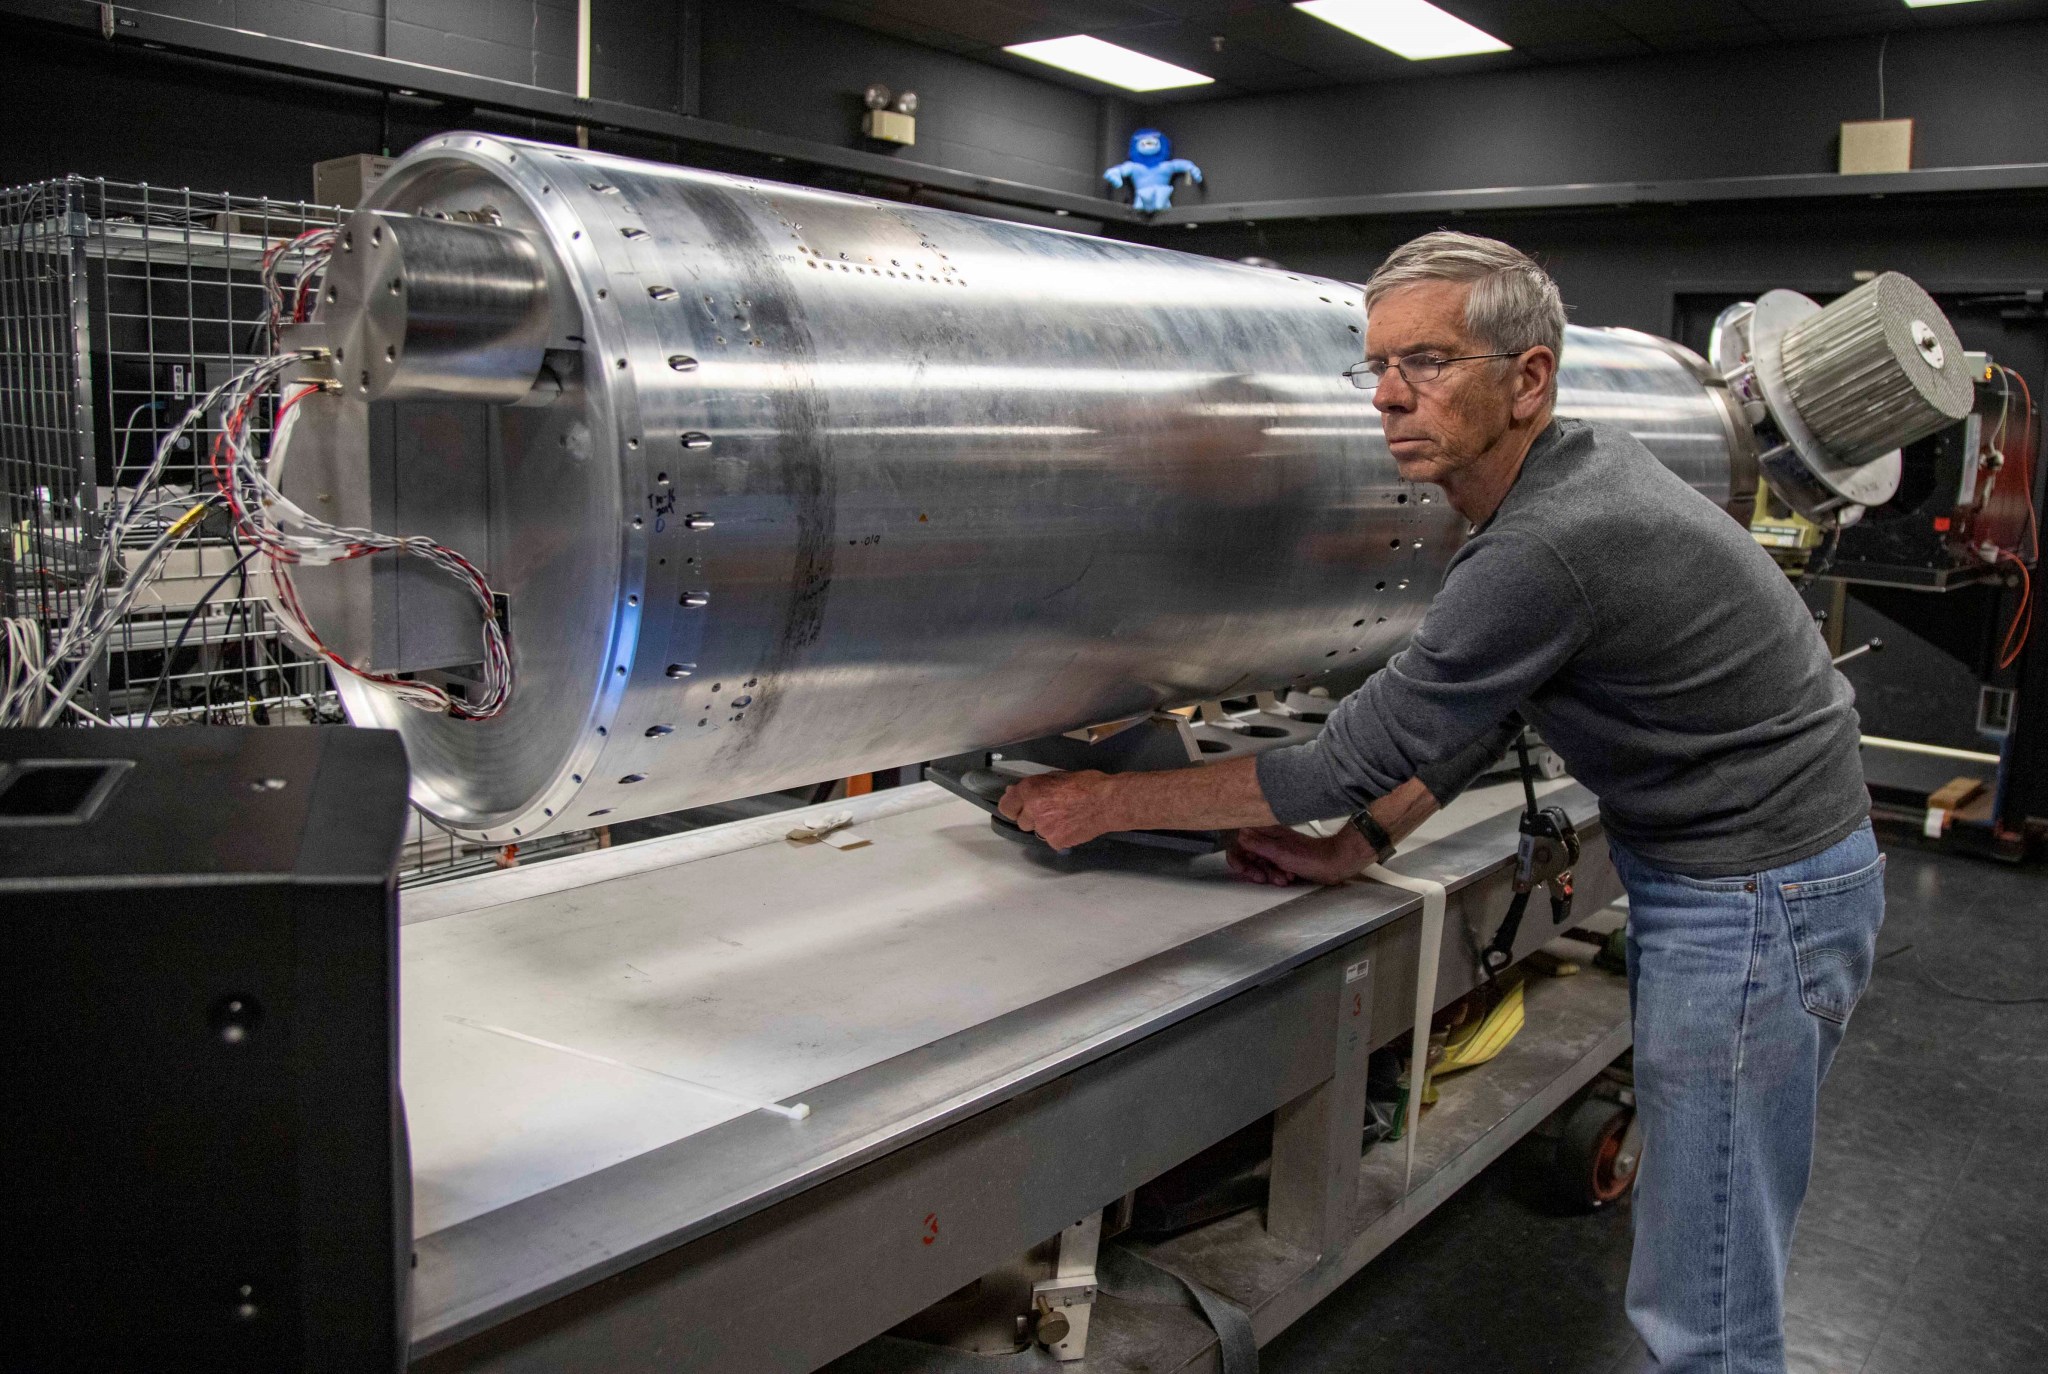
(122, 305)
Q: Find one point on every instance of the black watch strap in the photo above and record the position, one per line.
(1375, 835)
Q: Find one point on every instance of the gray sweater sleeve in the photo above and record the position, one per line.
(1509, 616)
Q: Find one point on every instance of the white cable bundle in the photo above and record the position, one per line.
(263, 515)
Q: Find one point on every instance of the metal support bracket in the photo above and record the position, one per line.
(1064, 1303)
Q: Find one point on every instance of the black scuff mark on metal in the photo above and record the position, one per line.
(805, 473)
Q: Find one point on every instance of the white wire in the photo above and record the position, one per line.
(285, 532)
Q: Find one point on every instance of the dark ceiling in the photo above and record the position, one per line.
(1266, 45)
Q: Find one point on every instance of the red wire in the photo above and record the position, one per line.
(2022, 618)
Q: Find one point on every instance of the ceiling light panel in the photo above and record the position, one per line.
(1415, 29)
(1106, 62)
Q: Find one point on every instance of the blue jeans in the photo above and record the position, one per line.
(1740, 989)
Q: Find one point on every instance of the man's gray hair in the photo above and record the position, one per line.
(1514, 305)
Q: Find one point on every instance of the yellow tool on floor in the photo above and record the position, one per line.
(1477, 1041)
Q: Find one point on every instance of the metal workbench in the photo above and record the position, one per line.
(991, 1041)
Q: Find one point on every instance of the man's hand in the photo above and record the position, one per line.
(1278, 855)
(1063, 809)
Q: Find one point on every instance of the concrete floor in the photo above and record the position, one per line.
(1924, 1243)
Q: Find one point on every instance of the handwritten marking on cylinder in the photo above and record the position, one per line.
(682, 362)
(696, 439)
(696, 598)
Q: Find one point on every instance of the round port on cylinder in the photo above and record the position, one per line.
(432, 309)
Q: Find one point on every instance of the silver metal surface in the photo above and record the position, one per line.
(786, 972)
(435, 309)
(833, 484)
(1813, 482)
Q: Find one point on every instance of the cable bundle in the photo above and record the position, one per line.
(288, 535)
(278, 528)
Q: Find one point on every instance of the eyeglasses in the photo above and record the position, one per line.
(1417, 369)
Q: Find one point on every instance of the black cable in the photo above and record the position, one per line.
(1920, 972)
(191, 618)
(1985, 998)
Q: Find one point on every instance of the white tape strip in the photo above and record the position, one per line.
(795, 1113)
(1432, 895)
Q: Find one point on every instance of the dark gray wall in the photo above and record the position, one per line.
(1974, 93)
(73, 103)
(633, 43)
(768, 67)
(1626, 266)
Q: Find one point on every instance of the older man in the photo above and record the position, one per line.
(1666, 658)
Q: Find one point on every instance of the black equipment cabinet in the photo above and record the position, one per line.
(205, 1161)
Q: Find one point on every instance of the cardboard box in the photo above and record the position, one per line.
(344, 181)
(1877, 145)
(890, 127)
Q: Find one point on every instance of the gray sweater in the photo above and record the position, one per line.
(1663, 655)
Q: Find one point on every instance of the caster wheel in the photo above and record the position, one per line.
(1595, 1156)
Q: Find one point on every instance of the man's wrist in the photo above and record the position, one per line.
(1372, 836)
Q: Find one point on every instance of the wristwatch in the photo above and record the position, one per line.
(1375, 835)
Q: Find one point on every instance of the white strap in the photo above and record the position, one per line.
(1425, 994)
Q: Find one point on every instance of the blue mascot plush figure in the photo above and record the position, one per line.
(1151, 170)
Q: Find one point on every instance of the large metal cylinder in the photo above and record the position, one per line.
(823, 484)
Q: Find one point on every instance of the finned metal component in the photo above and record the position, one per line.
(1837, 392)
(423, 308)
(1876, 370)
